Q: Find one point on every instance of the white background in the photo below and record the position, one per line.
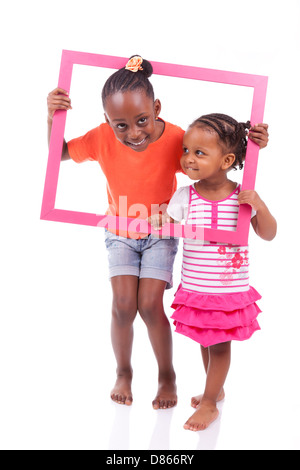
(56, 361)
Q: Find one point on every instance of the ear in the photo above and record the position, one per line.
(157, 108)
(228, 161)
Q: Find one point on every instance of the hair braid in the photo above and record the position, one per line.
(125, 80)
(231, 133)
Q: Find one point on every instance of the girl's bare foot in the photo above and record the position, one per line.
(166, 395)
(121, 393)
(195, 401)
(205, 414)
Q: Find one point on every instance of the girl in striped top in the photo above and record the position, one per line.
(214, 303)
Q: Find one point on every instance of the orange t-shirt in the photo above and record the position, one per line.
(135, 180)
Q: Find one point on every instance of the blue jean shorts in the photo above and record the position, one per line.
(148, 257)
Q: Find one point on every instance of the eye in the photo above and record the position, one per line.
(199, 153)
(185, 150)
(121, 126)
(142, 120)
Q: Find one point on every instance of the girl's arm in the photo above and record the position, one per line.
(263, 222)
(58, 99)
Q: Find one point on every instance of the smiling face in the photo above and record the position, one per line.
(132, 117)
(203, 156)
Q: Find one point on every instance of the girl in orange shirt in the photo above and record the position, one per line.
(140, 268)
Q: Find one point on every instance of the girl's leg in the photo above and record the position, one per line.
(124, 310)
(150, 306)
(218, 367)
(195, 401)
(205, 357)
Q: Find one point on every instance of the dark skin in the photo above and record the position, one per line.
(59, 99)
(133, 116)
(131, 295)
(205, 161)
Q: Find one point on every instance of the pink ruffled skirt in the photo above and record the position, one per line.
(216, 318)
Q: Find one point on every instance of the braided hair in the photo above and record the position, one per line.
(125, 80)
(233, 134)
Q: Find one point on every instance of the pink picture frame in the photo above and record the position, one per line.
(51, 213)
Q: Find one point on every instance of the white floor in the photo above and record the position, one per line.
(259, 412)
(57, 366)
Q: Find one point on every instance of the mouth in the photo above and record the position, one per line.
(136, 145)
(189, 168)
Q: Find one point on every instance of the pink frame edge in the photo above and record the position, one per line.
(69, 58)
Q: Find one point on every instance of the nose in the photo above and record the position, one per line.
(134, 133)
(189, 158)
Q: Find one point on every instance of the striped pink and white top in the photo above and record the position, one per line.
(210, 267)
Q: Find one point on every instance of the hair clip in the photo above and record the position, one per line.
(134, 64)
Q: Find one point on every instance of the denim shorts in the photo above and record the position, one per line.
(148, 257)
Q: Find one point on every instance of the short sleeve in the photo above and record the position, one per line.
(179, 205)
(85, 148)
